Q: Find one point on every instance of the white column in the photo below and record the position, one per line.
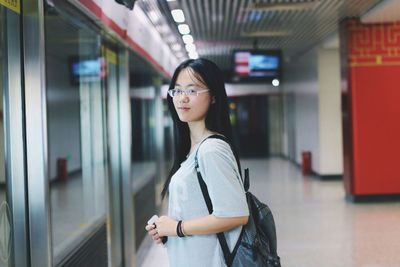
(330, 120)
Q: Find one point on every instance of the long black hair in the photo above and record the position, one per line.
(217, 117)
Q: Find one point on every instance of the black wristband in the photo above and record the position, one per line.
(179, 229)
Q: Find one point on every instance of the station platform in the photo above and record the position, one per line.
(316, 227)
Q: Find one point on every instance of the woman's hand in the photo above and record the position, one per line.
(152, 231)
(166, 226)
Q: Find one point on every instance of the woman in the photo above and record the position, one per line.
(198, 103)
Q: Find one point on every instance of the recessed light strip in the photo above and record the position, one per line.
(184, 30)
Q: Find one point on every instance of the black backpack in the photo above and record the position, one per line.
(256, 245)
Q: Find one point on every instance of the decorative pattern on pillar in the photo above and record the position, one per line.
(374, 45)
(370, 55)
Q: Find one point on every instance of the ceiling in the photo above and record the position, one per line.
(220, 26)
(386, 11)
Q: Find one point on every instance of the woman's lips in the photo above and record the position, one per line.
(184, 109)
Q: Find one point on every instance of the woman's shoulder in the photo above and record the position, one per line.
(214, 145)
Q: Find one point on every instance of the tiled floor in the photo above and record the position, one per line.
(316, 227)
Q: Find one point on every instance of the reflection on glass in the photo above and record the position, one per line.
(143, 131)
(5, 215)
(168, 139)
(111, 83)
(2, 174)
(144, 156)
(76, 133)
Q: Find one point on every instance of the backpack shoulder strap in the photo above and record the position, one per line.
(223, 138)
(207, 199)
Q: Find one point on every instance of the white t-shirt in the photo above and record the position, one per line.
(220, 172)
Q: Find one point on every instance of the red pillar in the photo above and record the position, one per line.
(370, 58)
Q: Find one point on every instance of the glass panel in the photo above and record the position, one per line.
(111, 83)
(2, 85)
(143, 141)
(168, 136)
(75, 73)
(144, 148)
(6, 246)
(143, 157)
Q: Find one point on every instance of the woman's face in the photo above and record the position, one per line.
(191, 108)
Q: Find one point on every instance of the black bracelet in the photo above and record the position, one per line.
(179, 229)
(183, 232)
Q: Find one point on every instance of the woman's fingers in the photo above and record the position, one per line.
(152, 232)
(149, 227)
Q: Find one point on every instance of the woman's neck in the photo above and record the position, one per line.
(198, 131)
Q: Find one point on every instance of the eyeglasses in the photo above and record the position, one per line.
(189, 92)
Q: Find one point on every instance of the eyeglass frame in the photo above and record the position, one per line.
(186, 92)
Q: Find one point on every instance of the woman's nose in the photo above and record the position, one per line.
(183, 98)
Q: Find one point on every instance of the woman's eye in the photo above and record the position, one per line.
(192, 92)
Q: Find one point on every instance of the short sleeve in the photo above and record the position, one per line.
(220, 173)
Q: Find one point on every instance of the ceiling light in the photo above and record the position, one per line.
(193, 55)
(178, 16)
(183, 29)
(275, 82)
(190, 48)
(187, 39)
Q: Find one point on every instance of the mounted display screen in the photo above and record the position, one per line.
(87, 70)
(256, 65)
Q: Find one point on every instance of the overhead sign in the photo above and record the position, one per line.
(110, 55)
(14, 5)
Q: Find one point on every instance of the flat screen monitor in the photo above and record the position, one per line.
(86, 69)
(256, 65)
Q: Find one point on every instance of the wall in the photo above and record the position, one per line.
(300, 86)
(330, 120)
(312, 109)
(275, 124)
(238, 89)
